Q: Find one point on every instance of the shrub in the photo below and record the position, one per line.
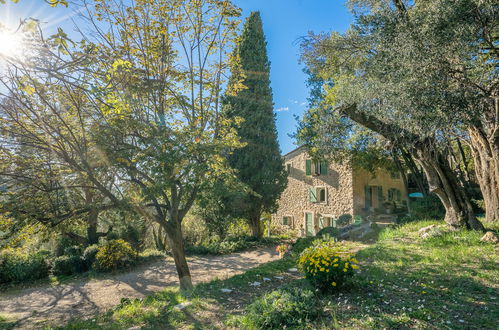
(89, 255)
(344, 220)
(429, 207)
(282, 308)
(17, 267)
(68, 265)
(301, 244)
(114, 255)
(73, 250)
(327, 266)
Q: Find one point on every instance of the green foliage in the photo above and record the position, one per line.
(301, 244)
(428, 207)
(73, 250)
(283, 308)
(328, 266)
(114, 255)
(259, 164)
(231, 245)
(19, 267)
(89, 255)
(344, 219)
(68, 265)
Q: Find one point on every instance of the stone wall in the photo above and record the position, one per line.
(295, 202)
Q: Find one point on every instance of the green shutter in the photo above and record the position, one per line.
(321, 222)
(367, 194)
(323, 168)
(380, 196)
(308, 167)
(312, 195)
(399, 195)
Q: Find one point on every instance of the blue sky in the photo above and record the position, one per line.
(285, 21)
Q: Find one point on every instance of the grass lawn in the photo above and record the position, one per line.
(444, 282)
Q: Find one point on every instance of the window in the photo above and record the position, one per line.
(313, 167)
(321, 194)
(288, 168)
(394, 194)
(325, 221)
(286, 220)
(317, 194)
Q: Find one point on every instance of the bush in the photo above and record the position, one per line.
(114, 255)
(344, 220)
(68, 265)
(327, 266)
(17, 267)
(429, 207)
(89, 255)
(301, 244)
(73, 250)
(282, 308)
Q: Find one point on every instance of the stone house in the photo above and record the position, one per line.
(318, 194)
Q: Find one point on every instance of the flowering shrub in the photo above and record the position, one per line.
(282, 248)
(113, 255)
(327, 265)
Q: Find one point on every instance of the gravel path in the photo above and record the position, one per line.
(82, 298)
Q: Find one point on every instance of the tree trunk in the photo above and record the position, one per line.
(403, 173)
(416, 173)
(444, 183)
(92, 235)
(486, 157)
(173, 231)
(255, 222)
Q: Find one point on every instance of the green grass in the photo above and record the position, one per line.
(6, 322)
(447, 282)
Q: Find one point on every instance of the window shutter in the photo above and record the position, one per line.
(399, 195)
(308, 167)
(367, 194)
(312, 195)
(380, 195)
(323, 168)
(321, 222)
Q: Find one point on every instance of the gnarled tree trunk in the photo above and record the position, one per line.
(486, 157)
(445, 184)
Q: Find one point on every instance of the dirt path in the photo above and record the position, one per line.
(84, 298)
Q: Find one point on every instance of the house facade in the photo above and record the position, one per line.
(318, 194)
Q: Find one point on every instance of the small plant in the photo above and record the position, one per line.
(282, 249)
(284, 308)
(327, 266)
(114, 255)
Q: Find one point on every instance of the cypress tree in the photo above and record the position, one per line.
(249, 97)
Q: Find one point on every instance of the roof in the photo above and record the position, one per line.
(293, 151)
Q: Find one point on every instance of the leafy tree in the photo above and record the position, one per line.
(400, 71)
(258, 163)
(151, 76)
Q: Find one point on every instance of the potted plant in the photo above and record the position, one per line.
(282, 249)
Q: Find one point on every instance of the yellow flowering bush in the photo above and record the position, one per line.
(113, 255)
(327, 265)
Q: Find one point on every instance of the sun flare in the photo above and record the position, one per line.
(10, 43)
